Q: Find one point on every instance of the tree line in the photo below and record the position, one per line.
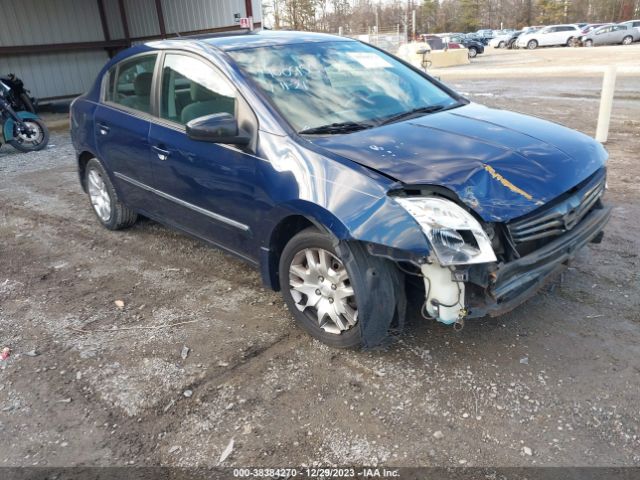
(435, 16)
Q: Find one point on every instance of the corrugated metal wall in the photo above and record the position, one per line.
(56, 74)
(202, 14)
(46, 22)
(33, 22)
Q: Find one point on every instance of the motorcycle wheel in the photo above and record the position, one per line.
(37, 140)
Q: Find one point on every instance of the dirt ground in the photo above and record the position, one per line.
(558, 376)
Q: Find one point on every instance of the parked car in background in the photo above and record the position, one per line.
(305, 155)
(592, 26)
(532, 28)
(550, 36)
(474, 46)
(513, 39)
(486, 33)
(500, 41)
(635, 24)
(610, 34)
(439, 42)
(478, 38)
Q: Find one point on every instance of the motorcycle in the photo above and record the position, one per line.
(23, 130)
(18, 96)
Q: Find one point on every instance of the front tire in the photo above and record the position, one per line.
(532, 44)
(501, 45)
(35, 139)
(588, 43)
(473, 52)
(340, 294)
(109, 210)
(628, 40)
(27, 104)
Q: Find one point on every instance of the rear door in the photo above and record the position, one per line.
(618, 32)
(204, 188)
(548, 36)
(602, 36)
(564, 34)
(122, 123)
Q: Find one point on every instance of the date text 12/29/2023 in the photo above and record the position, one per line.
(347, 472)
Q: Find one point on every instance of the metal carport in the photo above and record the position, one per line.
(58, 46)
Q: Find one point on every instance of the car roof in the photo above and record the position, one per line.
(262, 38)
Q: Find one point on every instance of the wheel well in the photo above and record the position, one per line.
(83, 159)
(280, 236)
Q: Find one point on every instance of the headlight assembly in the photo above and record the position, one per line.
(455, 236)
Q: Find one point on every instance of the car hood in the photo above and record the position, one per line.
(501, 164)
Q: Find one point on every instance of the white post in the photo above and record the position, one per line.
(606, 102)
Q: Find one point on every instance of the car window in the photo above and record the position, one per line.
(191, 88)
(317, 84)
(133, 83)
(110, 84)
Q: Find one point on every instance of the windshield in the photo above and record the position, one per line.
(320, 84)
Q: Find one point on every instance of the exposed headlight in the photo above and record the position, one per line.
(456, 237)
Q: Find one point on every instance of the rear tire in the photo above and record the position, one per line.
(473, 52)
(110, 211)
(501, 45)
(628, 40)
(532, 44)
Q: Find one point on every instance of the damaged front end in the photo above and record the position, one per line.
(478, 268)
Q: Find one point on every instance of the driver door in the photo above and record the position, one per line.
(205, 188)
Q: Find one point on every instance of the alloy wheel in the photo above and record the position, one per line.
(99, 195)
(320, 287)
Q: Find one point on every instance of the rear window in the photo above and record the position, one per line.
(130, 83)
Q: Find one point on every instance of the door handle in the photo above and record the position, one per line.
(162, 154)
(103, 129)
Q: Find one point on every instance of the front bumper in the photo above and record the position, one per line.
(513, 283)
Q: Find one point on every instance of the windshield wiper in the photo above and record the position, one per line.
(332, 128)
(417, 112)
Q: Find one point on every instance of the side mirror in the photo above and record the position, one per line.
(216, 128)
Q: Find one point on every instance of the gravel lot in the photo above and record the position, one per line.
(553, 383)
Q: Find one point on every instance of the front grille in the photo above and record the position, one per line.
(562, 215)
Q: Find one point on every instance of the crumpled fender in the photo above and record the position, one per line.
(7, 129)
(347, 199)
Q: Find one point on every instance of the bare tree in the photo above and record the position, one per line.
(433, 16)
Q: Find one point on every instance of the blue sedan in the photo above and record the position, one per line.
(342, 173)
